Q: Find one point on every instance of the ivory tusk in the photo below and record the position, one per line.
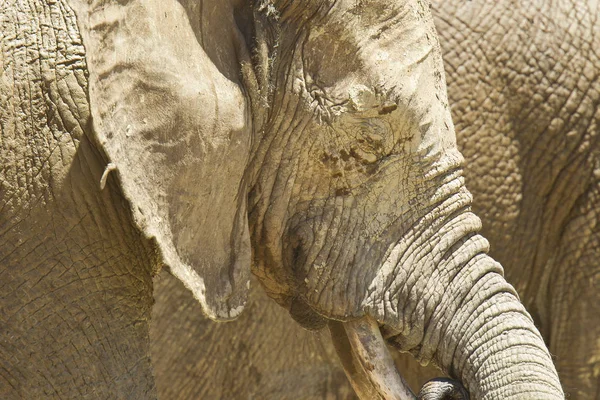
(369, 347)
(354, 371)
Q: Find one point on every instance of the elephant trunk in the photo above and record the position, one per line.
(491, 344)
(442, 298)
(480, 332)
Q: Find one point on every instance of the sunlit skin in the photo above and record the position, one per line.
(336, 181)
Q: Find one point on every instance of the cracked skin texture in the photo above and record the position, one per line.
(523, 88)
(75, 270)
(125, 369)
(75, 276)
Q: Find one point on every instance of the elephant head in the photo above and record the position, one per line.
(326, 158)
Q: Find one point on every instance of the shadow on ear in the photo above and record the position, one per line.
(178, 134)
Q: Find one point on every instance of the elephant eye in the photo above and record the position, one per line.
(371, 137)
(325, 107)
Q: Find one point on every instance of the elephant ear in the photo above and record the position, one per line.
(177, 133)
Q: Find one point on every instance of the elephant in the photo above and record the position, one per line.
(219, 138)
(527, 123)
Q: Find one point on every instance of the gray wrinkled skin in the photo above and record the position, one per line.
(216, 138)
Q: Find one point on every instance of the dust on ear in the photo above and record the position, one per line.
(178, 133)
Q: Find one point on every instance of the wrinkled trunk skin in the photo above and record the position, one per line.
(450, 304)
(524, 88)
(474, 328)
(75, 284)
(368, 213)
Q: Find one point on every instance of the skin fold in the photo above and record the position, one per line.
(518, 103)
(133, 142)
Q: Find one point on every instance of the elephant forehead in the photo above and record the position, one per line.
(351, 74)
(375, 44)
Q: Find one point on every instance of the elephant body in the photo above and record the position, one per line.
(262, 355)
(218, 137)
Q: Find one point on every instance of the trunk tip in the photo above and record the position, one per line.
(443, 389)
